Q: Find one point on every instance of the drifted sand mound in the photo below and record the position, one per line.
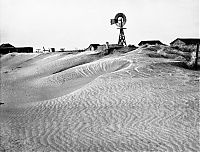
(48, 76)
(50, 64)
(13, 60)
(90, 70)
(122, 103)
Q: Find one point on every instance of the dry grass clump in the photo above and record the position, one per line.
(186, 48)
(167, 52)
(189, 53)
(186, 55)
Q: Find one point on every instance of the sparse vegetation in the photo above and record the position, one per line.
(190, 48)
(184, 54)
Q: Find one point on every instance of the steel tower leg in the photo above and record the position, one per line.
(122, 40)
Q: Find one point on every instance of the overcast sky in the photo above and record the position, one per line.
(74, 24)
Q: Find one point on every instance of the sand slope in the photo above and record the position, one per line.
(131, 102)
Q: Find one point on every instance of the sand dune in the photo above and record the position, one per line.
(130, 102)
(47, 76)
(93, 69)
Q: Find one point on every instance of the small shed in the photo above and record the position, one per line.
(181, 42)
(150, 42)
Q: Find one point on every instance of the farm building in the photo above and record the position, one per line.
(93, 47)
(99, 47)
(8, 48)
(24, 49)
(150, 42)
(52, 50)
(181, 42)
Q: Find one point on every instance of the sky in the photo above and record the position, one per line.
(74, 24)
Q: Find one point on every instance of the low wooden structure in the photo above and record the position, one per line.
(150, 42)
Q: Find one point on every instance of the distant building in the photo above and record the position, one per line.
(150, 42)
(62, 49)
(52, 49)
(93, 47)
(98, 47)
(6, 45)
(24, 49)
(181, 42)
(38, 50)
(44, 50)
(8, 48)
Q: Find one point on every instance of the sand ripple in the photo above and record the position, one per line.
(147, 106)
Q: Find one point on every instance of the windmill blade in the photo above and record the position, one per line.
(123, 17)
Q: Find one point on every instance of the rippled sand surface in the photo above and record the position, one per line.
(91, 103)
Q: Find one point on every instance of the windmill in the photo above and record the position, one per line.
(120, 21)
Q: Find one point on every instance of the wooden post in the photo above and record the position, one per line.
(196, 60)
(107, 45)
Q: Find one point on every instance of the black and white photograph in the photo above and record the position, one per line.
(99, 76)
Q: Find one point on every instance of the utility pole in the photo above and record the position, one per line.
(196, 59)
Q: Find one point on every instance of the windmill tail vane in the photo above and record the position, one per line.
(113, 21)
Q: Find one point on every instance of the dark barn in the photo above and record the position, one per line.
(8, 48)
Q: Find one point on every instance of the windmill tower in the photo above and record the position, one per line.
(120, 21)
